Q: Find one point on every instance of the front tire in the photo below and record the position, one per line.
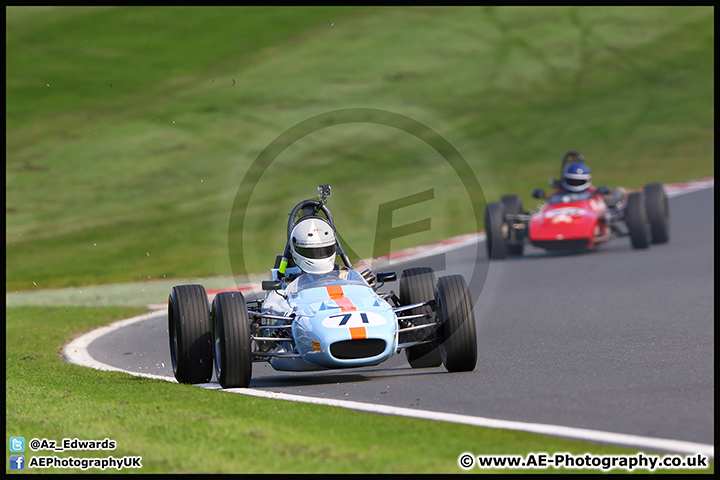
(416, 286)
(637, 221)
(455, 312)
(513, 206)
(189, 331)
(656, 203)
(231, 340)
(494, 222)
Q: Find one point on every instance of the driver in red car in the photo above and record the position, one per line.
(576, 181)
(576, 178)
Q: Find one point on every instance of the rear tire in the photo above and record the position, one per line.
(656, 203)
(231, 340)
(417, 285)
(455, 311)
(494, 221)
(637, 221)
(513, 205)
(189, 331)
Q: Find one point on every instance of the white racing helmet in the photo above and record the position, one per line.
(313, 245)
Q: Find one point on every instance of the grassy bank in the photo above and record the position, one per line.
(129, 130)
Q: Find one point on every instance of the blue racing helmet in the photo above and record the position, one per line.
(576, 177)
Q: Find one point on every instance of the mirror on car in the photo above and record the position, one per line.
(383, 277)
(538, 193)
(603, 190)
(271, 284)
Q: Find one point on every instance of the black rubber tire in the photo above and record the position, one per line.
(637, 221)
(455, 311)
(418, 285)
(189, 331)
(513, 205)
(494, 241)
(231, 340)
(656, 203)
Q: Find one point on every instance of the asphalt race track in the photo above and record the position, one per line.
(614, 340)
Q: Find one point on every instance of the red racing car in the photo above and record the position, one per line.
(577, 215)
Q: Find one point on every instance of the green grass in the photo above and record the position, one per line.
(130, 129)
(184, 429)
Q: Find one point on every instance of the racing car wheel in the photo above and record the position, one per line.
(637, 221)
(189, 331)
(513, 206)
(417, 286)
(494, 223)
(454, 311)
(231, 340)
(656, 203)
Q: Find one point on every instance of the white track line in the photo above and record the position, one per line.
(658, 444)
(76, 353)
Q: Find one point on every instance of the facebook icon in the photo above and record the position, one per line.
(17, 462)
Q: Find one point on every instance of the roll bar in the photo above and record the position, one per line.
(312, 208)
(571, 157)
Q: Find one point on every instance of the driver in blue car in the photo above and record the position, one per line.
(313, 248)
(313, 245)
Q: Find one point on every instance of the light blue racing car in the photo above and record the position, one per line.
(317, 315)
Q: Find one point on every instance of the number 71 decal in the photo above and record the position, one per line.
(354, 319)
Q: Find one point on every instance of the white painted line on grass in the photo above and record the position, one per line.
(76, 353)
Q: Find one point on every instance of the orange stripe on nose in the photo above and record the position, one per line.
(336, 293)
(357, 333)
